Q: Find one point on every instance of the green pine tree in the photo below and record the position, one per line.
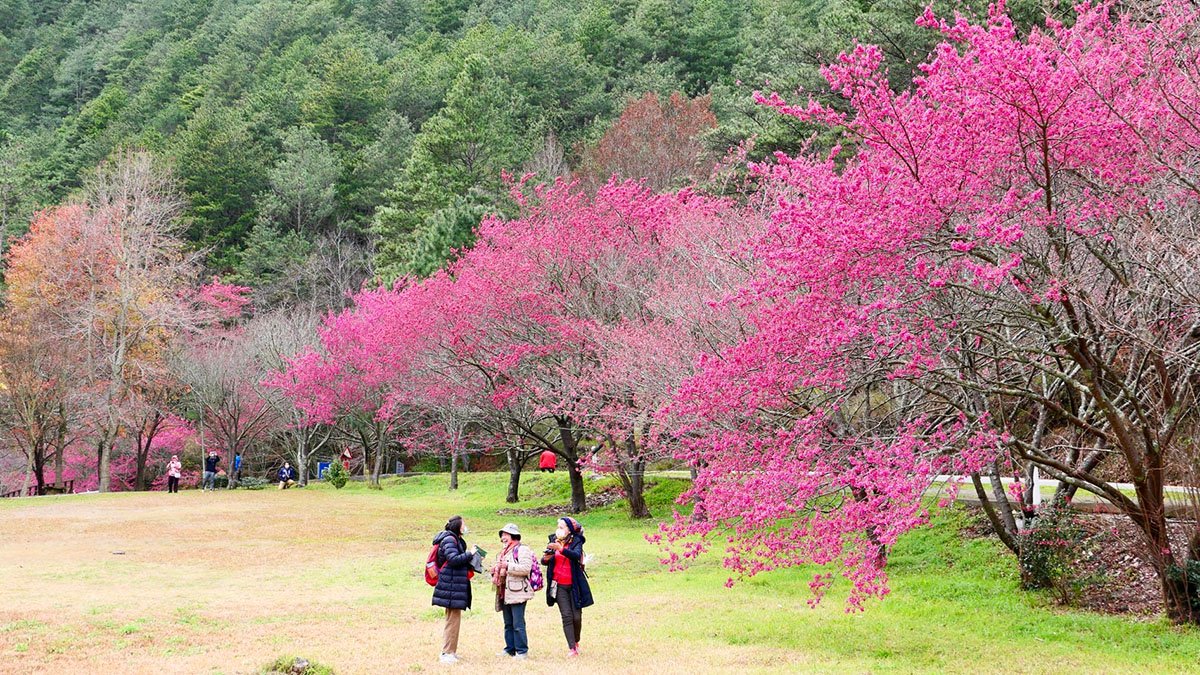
(463, 148)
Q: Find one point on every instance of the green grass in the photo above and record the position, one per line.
(954, 603)
(352, 560)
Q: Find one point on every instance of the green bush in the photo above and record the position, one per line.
(423, 464)
(1051, 550)
(1188, 575)
(253, 482)
(337, 475)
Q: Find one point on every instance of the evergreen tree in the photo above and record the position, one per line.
(465, 146)
(222, 169)
(302, 197)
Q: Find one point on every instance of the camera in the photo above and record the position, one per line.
(550, 540)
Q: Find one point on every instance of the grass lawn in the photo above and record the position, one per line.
(229, 582)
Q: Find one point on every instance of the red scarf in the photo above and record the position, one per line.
(497, 575)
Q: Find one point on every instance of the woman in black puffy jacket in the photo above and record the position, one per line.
(453, 590)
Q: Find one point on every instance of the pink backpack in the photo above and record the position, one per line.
(536, 581)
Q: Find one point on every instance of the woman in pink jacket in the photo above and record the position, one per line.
(174, 471)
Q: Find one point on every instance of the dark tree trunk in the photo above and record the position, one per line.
(633, 482)
(377, 469)
(570, 453)
(141, 441)
(631, 471)
(39, 468)
(59, 480)
(454, 470)
(999, 515)
(578, 496)
(514, 475)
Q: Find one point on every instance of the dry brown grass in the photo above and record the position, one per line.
(228, 582)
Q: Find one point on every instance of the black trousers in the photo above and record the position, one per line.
(572, 616)
(172, 484)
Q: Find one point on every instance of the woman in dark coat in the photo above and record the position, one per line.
(453, 590)
(567, 584)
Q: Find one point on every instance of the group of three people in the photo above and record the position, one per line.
(566, 583)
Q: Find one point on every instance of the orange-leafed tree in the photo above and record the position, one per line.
(107, 273)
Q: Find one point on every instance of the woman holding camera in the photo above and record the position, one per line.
(568, 587)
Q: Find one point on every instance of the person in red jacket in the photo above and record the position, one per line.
(548, 461)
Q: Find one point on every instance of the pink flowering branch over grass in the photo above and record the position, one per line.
(980, 258)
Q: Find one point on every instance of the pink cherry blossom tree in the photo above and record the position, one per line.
(998, 269)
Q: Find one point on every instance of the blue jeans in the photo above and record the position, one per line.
(515, 639)
(210, 478)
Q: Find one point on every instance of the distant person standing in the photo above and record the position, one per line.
(346, 457)
(210, 470)
(287, 476)
(548, 462)
(237, 470)
(174, 472)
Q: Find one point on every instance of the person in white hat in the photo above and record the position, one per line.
(514, 587)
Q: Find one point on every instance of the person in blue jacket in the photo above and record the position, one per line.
(453, 590)
(237, 470)
(287, 476)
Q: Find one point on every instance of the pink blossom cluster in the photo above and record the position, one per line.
(814, 351)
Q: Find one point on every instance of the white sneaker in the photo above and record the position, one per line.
(520, 657)
(503, 653)
(449, 658)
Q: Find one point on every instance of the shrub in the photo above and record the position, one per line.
(1052, 549)
(337, 475)
(294, 665)
(253, 482)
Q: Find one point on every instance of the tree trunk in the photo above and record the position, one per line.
(578, 497)
(454, 469)
(103, 459)
(570, 452)
(28, 473)
(633, 482)
(139, 481)
(514, 476)
(143, 454)
(378, 469)
(39, 468)
(631, 470)
(1003, 525)
(59, 479)
(302, 457)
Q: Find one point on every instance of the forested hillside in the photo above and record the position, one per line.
(373, 134)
